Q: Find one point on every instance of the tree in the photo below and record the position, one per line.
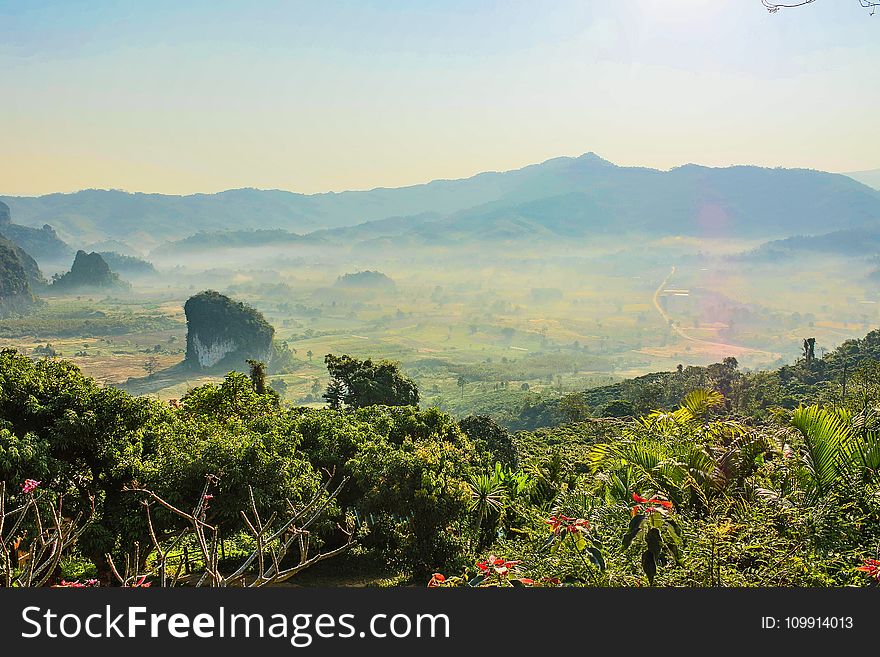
(491, 439)
(258, 376)
(415, 489)
(81, 440)
(809, 350)
(574, 407)
(358, 383)
(618, 408)
(151, 365)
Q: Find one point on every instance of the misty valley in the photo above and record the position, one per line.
(534, 292)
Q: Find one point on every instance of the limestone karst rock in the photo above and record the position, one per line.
(89, 271)
(30, 266)
(224, 333)
(42, 243)
(16, 295)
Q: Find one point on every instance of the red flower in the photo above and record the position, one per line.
(141, 583)
(638, 498)
(871, 567)
(498, 565)
(563, 523)
(29, 486)
(69, 585)
(436, 580)
(208, 497)
(527, 581)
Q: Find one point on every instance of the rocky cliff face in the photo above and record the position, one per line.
(16, 295)
(30, 266)
(41, 243)
(224, 333)
(89, 270)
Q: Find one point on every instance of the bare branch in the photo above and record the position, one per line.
(773, 7)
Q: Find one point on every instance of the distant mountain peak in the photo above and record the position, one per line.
(591, 157)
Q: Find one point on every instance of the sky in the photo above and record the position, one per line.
(200, 96)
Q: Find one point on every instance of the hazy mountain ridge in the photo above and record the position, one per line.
(871, 178)
(560, 198)
(850, 242)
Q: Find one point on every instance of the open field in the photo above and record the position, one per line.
(474, 332)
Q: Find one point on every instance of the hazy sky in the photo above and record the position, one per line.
(179, 97)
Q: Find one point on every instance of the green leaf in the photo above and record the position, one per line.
(476, 581)
(649, 566)
(654, 542)
(634, 525)
(673, 531)
(596, 557)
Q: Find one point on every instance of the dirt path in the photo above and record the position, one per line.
(680, 332)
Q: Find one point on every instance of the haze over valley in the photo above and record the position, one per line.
(523, 285)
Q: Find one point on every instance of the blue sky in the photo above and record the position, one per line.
(180, 97)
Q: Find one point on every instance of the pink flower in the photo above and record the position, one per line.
(29, 486)
(141, 583)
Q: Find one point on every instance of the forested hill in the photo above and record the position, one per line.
(560, 197)
(840, 376)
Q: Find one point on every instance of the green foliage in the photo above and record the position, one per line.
(358, 383)
(81, 439)
(491, 439)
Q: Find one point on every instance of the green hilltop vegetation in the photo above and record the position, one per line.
(725, 479)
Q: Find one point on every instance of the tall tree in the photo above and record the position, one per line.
(358, 383)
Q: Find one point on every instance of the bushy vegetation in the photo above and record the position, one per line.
(698, 494)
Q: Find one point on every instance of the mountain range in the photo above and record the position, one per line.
(870, 178)
(563, 198)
